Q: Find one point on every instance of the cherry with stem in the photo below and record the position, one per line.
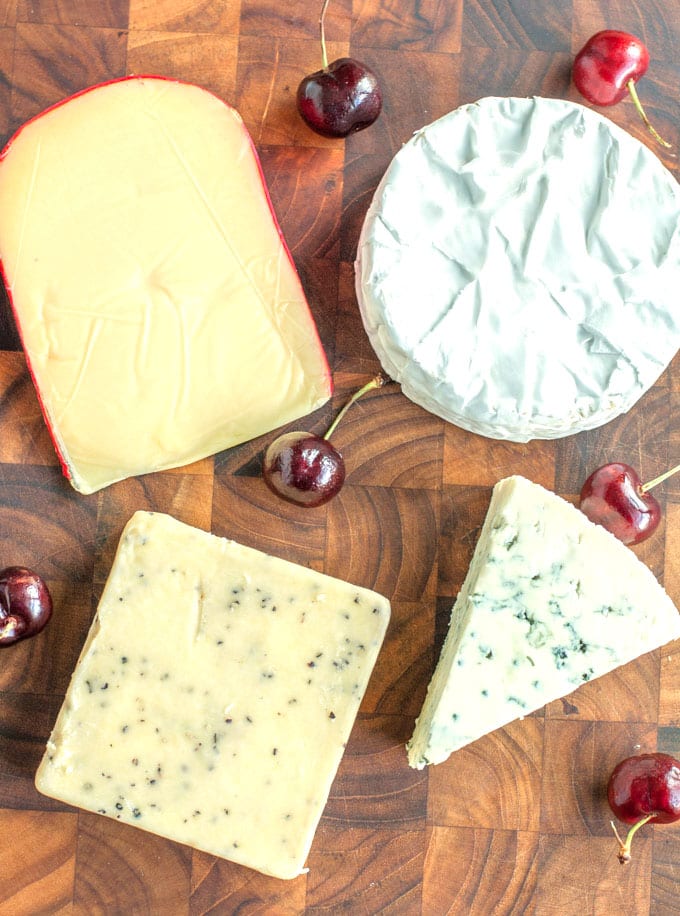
(614, 497)
(307, 469)
(607, 68)
(341, 98)
(640, 789)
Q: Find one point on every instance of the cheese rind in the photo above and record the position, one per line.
(160, 310)
(215, 694)
(518, 266)
(550, 602)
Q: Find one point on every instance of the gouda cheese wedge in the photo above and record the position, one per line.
(160, 310)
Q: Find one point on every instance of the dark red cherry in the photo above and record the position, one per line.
(340, 98)
(305, 468)
(607, 68)
(25, 604)
(641, 789)
(613, 496)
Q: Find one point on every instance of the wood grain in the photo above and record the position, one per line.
(515, 823)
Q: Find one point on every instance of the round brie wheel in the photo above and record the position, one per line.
(519, 266)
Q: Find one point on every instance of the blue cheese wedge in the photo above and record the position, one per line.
(215, 695)
(518, 268)
(550, 602)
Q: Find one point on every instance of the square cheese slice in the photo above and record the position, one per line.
(161, 314)
(215, 695)
(550, 601)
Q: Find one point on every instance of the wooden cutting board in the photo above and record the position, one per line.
(517, 822)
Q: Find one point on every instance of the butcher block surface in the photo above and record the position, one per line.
(518, 821)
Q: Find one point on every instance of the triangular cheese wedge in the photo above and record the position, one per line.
(161, 314)
(550, 601)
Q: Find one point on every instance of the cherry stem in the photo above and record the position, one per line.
(659, 479)
(322, 32)
(376, 382)
(630, 85)
(624, 845)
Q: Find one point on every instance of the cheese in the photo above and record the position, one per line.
(214, 696)
(518, 268)
(550, 602)
(161, 314)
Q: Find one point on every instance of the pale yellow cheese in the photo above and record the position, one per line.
(160, 310)
(215, 695)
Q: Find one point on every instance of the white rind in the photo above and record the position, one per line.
(518, 267)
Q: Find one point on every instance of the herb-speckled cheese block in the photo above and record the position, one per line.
(215, 694)
(550, 601)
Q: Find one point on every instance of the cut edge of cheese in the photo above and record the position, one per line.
(89, 457)
(530, 628)
(214, 710)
